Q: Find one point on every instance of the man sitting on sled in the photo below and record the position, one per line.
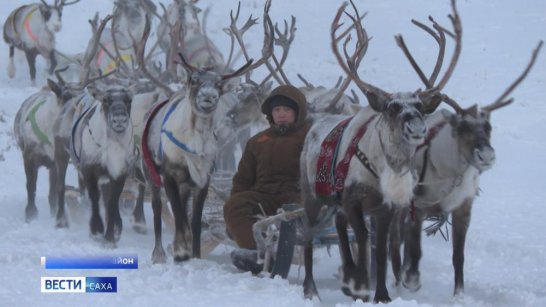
(268, 173)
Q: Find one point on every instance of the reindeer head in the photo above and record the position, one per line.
(402, 111)
(116, 105)
(473, 134)
(187, 13)
(206, 86)
(471, 126)
(64, 91)
(130, 8)
(52, 14)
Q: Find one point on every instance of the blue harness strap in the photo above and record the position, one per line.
(170, 135)
(84, 114)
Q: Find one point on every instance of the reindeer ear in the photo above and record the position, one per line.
(46, 12)
(95, 91)
(377, 102)
(53, 86)
(452, 119)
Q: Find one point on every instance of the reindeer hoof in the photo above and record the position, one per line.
(31, 213)
(61, 222)
(108, 244)
(182, 258)
(411, 281)
(140, 228)
(114, 234)
(96, 226)
(158, 255)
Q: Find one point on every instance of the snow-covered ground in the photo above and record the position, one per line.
(504, 253)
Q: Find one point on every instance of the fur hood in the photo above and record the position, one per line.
(291, 93)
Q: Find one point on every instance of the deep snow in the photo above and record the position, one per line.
(504, 252)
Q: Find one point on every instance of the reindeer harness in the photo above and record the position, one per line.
(330, 178)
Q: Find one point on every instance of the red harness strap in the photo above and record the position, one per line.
(146, 154)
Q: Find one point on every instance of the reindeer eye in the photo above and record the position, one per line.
(394, 108)
(487, 128)
(419, 106)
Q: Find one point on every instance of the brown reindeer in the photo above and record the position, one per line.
(371, 174)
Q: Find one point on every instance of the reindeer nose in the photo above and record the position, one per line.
(415, 131)
(485, 158)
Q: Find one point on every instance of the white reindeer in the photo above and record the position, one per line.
(103, 150)
(455, 153)
(366, 172)
(31, 28)
(179, 143)
(33, 129)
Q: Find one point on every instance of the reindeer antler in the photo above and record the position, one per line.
(351, 62)
(237, 34)
(440, 37)
(94, 48)
(139, 50)
(63, 3)
(501, 102)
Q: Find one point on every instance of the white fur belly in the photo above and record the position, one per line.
(466, 190)
(117, 158)
(397, 188)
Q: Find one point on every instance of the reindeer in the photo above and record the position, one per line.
(75, 101)
(33, 131)
(179, 144)
(180, 31)
(455, 153)
(103, 150)
(373, 170)
(31, 28)
(116, 43)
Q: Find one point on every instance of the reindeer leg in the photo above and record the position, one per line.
(52, 62)
(460, 221)
(178, 197)
(60, 167)
(114, 225)
(11, 65)
(52, 196)
(395, 241)
(383, 220)
(347, 263)
(312, 210)
(139, 221)
(198, 204)
(91, 183)
(31, 60)
(158, 255)
(357, 282)
(412, 252)
(31, 172)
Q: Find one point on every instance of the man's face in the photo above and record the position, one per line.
(283, 115)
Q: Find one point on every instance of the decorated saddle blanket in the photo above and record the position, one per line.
(330, 178)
